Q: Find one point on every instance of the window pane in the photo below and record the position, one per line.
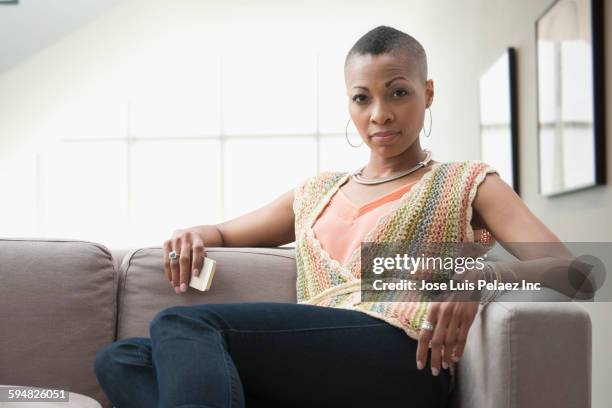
(496, 150)
(258, 170)
(337, 155)
(333, 98)
(179, 101)
(550, 171)
(547, 59)
(174, 185)
(83, 187)
(577, 81)
(90, 117)
(562, 154)
(495, 93)
(18, 216)
(578, 149)
(269, 93)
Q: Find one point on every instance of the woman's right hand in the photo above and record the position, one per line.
(189, 246)
(270, 226)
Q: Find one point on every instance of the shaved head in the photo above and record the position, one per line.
(388, 40)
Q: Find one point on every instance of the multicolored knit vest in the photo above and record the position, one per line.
(438, 208)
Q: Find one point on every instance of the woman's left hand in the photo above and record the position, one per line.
(451, 321)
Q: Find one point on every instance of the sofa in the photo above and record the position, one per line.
(62, 300)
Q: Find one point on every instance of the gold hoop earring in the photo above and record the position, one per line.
(346, 135)
(427, 134)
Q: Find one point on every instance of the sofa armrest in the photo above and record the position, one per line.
(57, 309)
(527, 354)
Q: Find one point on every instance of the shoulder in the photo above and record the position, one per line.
(319, 183)
(485, 188)
(470, 166)
(311, 189)
(479, 180)
(322, 179)
(469, 173)
(329, 176)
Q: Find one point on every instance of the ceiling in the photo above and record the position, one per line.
(33, 25)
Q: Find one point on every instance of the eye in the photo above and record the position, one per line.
(357, 99)
(401, 91)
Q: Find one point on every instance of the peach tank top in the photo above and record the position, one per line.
(342, 225)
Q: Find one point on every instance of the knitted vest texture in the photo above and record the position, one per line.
(438, 208)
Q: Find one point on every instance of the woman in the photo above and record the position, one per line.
(331, 349)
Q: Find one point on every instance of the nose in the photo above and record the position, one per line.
(381, 113)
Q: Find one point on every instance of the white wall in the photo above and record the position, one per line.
(106, 60)
(474, 34)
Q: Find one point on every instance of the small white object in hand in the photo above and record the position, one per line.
(204, 279)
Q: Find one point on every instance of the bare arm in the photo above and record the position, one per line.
(270, 225)
(510, 220)
(516, 227)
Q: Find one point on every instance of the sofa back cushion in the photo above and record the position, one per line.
(242, 275)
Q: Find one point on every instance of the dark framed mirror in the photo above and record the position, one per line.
(570, 89)
(499, 118)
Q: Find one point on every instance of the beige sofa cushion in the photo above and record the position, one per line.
(242, 275)
(58, 309)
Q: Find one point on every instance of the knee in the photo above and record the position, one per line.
(164, 318)
(113, 358)
(182, 318)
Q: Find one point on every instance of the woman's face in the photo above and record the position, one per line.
(386, 95)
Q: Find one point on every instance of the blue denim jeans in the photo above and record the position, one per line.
(268, 354)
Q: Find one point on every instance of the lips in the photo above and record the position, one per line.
(384, 136)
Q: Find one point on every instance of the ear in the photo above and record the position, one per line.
(429, 92)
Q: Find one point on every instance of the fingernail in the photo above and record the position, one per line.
(444, 365)
(420, 365)
(455, 359)
(183, 287)
(176, 289)
(195, 272)
(434, 371)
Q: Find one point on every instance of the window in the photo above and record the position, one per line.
(195, 145)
